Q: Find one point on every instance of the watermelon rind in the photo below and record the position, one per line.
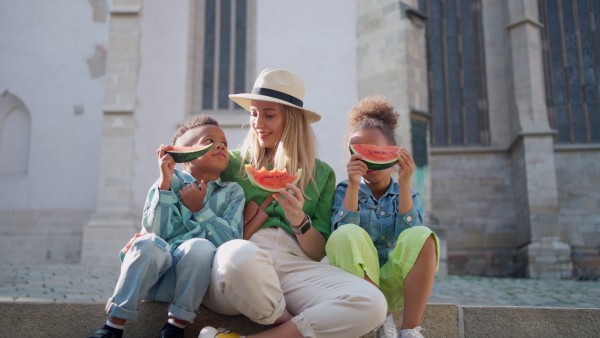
(187, 156)
(375, 165)
(250, 170)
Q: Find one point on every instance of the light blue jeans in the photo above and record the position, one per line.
(149, 272)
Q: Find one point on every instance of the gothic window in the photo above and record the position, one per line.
(221, 46)
(15, 134)
(456, 68)
(571, 44)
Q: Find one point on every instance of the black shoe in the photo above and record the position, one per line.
(171, 331)
(103, 333)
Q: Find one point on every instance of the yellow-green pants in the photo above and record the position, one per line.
(349, 247)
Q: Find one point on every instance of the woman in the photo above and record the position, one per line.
(276, 277)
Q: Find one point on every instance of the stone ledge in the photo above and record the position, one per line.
(492, 322)
(441, 320)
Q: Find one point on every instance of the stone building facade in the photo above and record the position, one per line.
(498, 103)
(523, 201)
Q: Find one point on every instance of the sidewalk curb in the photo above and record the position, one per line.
(21, 319)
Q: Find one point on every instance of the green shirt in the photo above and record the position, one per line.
(318, 207)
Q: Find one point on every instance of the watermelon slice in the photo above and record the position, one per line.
(272, 180)
(377, 157)
(186, 154)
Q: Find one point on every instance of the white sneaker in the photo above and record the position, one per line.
(412, 333)
(211, 332)
(387, 331)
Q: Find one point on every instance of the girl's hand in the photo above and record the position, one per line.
(166, 164)
(356, 169)
(292, 203)
(192, 195)
(406, 166)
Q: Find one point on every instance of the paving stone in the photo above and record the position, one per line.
(38, 282)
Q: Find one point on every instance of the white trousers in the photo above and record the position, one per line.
(261, 277)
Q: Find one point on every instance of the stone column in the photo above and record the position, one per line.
(115, 221)
(541, 251)
(392, 61)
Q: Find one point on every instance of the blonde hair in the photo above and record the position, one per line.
(296, 149)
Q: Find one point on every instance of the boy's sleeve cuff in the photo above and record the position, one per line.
(165, 196)
(205, 214)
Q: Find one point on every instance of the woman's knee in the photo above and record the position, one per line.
(380, 308)
(240, 257)
(372, 306)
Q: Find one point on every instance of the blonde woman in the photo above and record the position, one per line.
(276, 278)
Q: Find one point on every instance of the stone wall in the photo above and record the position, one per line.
(473, 199)
(51, 235)
(53, 58)
(578, 180)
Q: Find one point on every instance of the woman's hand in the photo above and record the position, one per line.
(292, 203)
(166, 164)
(356, 168)
(192, 195)
(406, 166)
(291, 200)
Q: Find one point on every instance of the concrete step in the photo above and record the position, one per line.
(20, 319)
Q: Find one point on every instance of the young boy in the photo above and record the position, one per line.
(186, 216)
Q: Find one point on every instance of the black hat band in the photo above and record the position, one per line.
(278, 95)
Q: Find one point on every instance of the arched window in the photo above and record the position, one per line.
(571, 40)
(223, 55)
(15, 135)
(457, 80)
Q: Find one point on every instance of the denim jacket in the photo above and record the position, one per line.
(380, 218)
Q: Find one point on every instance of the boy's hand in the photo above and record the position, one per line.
(356, 169)
(406, 166)
(131, 241)
(166, 163)
(192, 195)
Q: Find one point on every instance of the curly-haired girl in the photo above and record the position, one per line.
(377, 222)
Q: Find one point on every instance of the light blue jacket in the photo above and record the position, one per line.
(380, 218)
(220, 220)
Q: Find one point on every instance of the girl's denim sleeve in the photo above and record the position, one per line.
(341, 215)
(414, 216)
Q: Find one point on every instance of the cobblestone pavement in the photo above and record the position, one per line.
(32, 282)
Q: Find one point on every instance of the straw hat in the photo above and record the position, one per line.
(277, 85)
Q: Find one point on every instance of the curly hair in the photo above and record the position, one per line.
(196, 122)
(374, 112)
